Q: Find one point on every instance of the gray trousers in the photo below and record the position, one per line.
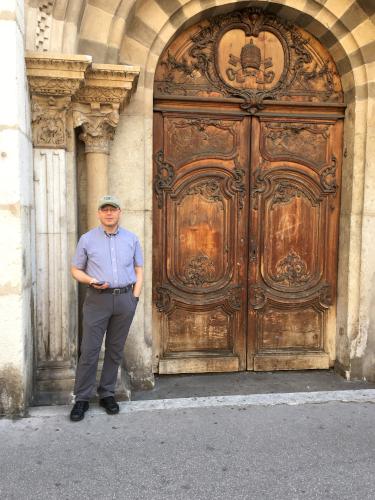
(103, 312)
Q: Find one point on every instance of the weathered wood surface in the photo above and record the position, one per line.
(246, 199)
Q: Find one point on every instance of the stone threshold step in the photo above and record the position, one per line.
(295, 398)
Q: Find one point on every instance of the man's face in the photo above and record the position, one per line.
(109, 216)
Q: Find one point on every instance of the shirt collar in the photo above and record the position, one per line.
(110, 234)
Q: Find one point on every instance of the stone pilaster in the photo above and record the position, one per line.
(53, 80)
(107, 89)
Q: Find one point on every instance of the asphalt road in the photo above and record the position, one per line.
(310, 451)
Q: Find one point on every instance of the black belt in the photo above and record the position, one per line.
(114, 291)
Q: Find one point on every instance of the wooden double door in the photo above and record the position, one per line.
(246, 180)
(245, 237)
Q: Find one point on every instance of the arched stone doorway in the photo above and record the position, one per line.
(136, 32)
(248, 125)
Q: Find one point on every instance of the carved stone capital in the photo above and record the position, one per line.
(48, 119)
(108, 84)
(106, 90)
(98, 128)
(53, 79)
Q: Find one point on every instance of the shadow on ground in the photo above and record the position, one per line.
(245, 383)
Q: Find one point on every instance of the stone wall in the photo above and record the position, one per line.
(136, 32)
(16, 216)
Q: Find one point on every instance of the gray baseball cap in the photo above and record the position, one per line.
(109, 200)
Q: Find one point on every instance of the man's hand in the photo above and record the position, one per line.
(139, 280)
(82, 277)
(99, 285)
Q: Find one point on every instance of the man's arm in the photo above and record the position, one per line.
(139, 281)
(84, 278)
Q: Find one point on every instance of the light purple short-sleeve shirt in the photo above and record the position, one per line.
(109, 257)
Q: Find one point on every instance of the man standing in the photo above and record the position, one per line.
(109, 260)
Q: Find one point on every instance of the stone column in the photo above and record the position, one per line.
(53, 80)
(107, 89)
(97, 106)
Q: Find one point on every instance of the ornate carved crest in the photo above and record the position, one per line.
(248, 54)
(291, 270)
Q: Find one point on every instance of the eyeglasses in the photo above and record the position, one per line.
(109, 209)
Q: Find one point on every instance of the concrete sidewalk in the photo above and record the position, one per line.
(267, 446)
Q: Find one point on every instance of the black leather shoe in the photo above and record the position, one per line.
(110, 405)
(78, 411)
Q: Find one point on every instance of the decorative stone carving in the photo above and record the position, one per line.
(52, 82)
(48, 121)
(108, 84)
(98, 129)
(44, 21)
(55, 75)
(107, 88)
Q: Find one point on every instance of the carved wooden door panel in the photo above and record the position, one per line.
(247, 162)
(293, 250)
(200, 257)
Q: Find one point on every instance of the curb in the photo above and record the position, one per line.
(296, 398)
